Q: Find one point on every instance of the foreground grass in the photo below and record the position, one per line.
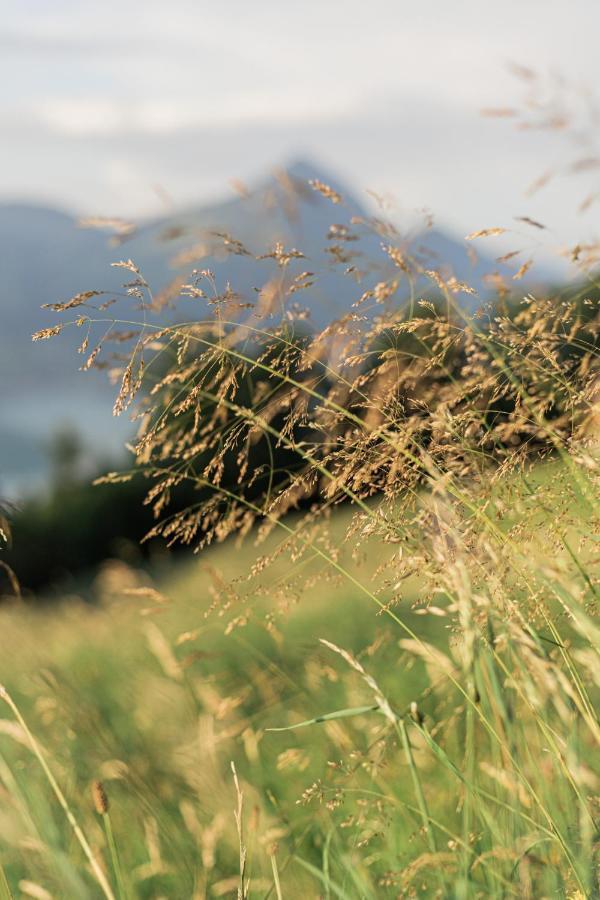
(157, 705)
(487, 787)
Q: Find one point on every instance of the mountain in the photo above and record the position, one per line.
(45, 257)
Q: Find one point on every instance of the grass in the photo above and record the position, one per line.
(111, 675)
(147, 693)
(380, 675)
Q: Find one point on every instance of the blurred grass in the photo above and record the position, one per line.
(149, 693)
(159, 723)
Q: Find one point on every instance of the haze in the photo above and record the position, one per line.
(136, 108)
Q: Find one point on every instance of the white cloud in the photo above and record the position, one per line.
(78, 117)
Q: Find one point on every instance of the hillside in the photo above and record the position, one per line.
(159, 690)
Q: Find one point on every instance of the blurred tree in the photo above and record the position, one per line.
(65, 455)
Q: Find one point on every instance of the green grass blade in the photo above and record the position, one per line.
(339, 714)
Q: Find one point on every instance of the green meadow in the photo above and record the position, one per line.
(183, 669)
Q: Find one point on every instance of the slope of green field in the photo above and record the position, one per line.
(170, 678)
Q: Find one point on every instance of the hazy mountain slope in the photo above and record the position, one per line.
(45, 257)
(285, 208)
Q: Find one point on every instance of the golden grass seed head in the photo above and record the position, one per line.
(99, 797)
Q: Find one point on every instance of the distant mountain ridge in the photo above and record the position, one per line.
(45, 257)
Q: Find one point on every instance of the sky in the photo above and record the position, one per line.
(137, 108)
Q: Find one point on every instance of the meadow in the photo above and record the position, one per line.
(378, 676)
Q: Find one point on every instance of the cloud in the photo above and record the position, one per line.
(90, 117)
(46, 43)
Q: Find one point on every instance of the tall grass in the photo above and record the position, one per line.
(439, 467)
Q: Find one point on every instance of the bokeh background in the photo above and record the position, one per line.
(162, 114)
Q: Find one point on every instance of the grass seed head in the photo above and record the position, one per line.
(99, 798)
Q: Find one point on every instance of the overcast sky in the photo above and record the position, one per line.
(123, 107)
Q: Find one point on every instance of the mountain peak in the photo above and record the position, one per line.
(308, 170)
(304, 170)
